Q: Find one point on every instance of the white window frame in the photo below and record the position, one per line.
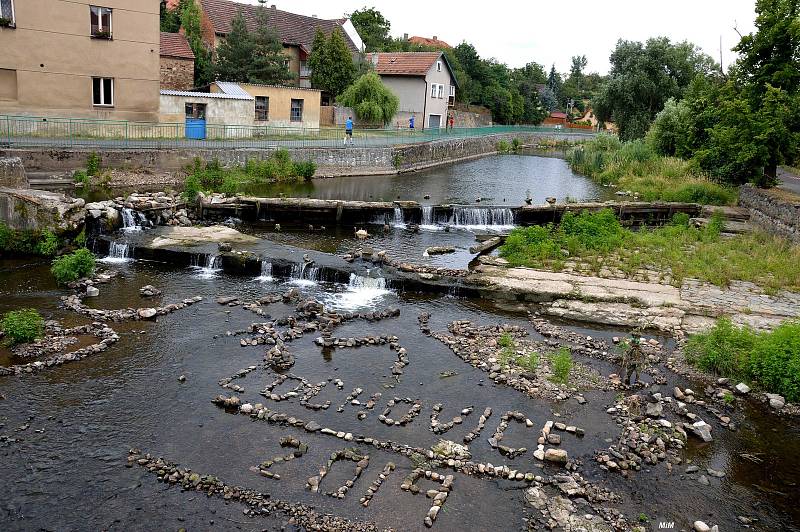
(102, 92)
(433, 90)
(440, 92)
(302, 105)
(100, 20)
(452, 91)
(13, 15)
(438, 66)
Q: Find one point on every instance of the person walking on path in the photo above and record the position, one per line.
(348, 130)
(411, 122)
(451, 121)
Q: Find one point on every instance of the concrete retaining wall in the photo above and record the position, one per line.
(330, 161)
(12, 173)
(772, 210)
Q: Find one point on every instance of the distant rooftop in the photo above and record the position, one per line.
(433, 41)
(175, 45)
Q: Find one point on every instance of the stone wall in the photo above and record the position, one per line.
(330, 161)
(12, 173)
(774, 210)
(177, 74)
(38, 209)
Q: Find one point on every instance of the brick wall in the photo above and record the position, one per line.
(177, 74)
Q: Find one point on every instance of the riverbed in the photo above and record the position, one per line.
(66, 431)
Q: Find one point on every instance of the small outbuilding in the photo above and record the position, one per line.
(200, 115)
(177, 62)
(276, 105)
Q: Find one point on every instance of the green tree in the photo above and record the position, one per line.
(169, 19)
(190, 22)
(331, 63)
(768, 70)
(555, 84)
(269, 64)
(669, 134)
(372, 27)
(370, 99)
(643, 77)
(235, 53)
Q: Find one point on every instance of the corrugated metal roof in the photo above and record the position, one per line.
(231, 88)
(218, 95)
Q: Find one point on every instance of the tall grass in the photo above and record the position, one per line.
(212, 176)
(597, 240)
(769, 359)
(636, 167)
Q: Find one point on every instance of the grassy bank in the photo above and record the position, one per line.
(769, 359)
(597, 240)
(213, 177)
(636, 167)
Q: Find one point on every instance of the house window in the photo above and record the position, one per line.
(433, 90)
(6, 13)
(195, 110)
(438, 66)
(262, 108)
(296, 114)
(452, 98)
(100, 18)
(440, 92)
(103, 91)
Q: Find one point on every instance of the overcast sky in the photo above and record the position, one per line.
(517, 32)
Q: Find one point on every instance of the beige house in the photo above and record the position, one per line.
(296, 32)
(77, 58)
(424, 83)
(276, 105)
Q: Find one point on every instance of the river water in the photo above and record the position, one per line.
(65, 432)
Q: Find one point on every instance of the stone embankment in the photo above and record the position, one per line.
(330, 161)
(773, 210)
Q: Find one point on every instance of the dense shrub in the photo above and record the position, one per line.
(23, 325)
(74, 266)
(48, 244)
(636, 166)
(28, 242)
(93, 164)
(305, 169)
(769, 359)
(562, 365)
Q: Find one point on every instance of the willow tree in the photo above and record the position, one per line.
(370, 99)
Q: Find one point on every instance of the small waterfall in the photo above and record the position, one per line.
(266, 272)
(487, 218)
(363, 291)
(427, 221)
(398, 219)
(304, 274)
(130, 220)
(207, 266)
(117, 252)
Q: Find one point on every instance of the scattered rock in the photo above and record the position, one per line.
(742, 388)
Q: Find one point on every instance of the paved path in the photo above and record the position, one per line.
(789, 181)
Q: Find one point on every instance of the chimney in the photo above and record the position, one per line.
(435, 38)
(273, 6)
(405, 36)
(375, 59)
(313, 16)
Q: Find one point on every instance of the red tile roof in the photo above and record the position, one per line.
(175, 45)
(558, 114)
(404, 63)
(436, 43)
(291, 28)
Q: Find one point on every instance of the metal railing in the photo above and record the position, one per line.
(29, 131)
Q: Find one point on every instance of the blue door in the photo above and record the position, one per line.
(195, 121)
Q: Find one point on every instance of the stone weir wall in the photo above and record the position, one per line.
(776, 211)
(330, 161)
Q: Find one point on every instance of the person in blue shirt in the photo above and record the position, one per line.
(348, 130)
(411, 122)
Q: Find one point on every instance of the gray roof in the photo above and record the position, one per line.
(218, 95)
(232, 89)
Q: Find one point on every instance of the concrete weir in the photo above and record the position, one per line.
(360, 212)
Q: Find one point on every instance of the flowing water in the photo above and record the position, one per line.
(65, 432)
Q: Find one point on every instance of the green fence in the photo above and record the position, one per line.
(27, 131)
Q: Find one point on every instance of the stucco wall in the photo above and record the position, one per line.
(55, 58)
(219, 111)
(280, 105)
(436, 105)
(177, 74)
